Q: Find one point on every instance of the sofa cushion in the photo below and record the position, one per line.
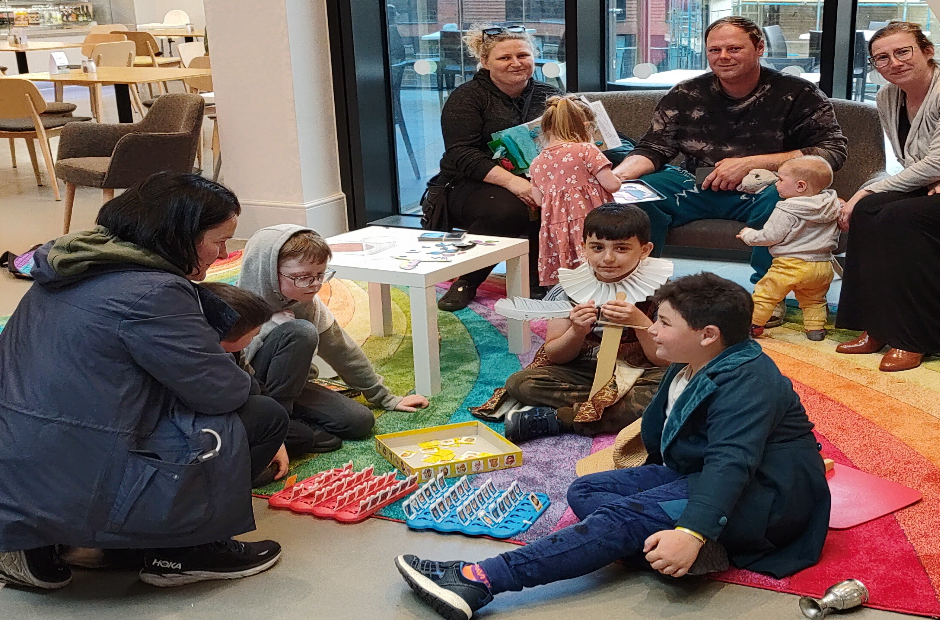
(710, 234)
(85, 171)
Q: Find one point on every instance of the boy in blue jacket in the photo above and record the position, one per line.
(732, 460)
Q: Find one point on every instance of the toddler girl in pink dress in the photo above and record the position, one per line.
(570, 177)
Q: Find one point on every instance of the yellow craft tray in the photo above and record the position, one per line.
(503, 453)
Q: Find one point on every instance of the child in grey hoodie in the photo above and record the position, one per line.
(801, 233)
(287, 265)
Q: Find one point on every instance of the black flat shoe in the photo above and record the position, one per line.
(457, 297)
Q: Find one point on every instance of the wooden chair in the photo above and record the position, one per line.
(203, 86)
(107, 28)
(93, 39)
(118, 54)
(188, 51)
(147, 51)
(111, 156)
(21, 108)
(148, 56)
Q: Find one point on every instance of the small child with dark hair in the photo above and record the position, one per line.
(616, 247)
(802, 232)
(733, 471)
(253, 312)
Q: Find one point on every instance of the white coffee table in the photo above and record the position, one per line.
(380, 270)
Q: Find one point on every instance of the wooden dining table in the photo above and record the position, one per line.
(121, 78)
(35, 46)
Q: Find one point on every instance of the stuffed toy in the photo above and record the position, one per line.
(757, 180)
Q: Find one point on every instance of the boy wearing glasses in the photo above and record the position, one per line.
(286, 265)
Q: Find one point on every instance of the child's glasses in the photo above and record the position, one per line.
(498, 30)
(308, 281)
(881, 61)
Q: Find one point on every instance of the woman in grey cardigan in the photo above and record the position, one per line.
(891, 287)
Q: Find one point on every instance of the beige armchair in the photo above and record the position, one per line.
(117, 156)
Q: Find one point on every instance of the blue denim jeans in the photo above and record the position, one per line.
(686, 203)
(618, 509)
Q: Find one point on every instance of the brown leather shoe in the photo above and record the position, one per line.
(862, 344)
(898, 359)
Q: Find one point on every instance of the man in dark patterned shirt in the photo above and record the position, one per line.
(738, 117)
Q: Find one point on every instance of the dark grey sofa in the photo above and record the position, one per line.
(631, 111)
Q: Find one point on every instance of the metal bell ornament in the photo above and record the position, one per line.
(844, 595)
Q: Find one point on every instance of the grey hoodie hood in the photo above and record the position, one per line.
(259, 263)
(259, 275)
(820, 209)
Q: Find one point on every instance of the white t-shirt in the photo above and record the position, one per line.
(676, 387)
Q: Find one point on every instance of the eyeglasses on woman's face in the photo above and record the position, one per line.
(308, 281)
(880, 61)
(498, 30)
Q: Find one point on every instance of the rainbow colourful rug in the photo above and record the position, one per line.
(884, 424)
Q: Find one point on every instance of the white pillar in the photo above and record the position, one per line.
(274, 95)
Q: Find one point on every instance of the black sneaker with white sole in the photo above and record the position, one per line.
(222, 559)
(443, 586)
(35, 568)
(523, 424)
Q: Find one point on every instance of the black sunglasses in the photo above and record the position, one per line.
(498, 30)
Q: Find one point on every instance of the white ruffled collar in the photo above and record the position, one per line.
(581, 284)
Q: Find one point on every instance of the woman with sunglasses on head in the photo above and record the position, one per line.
(891, 286)
(287, 266)
(480, 195)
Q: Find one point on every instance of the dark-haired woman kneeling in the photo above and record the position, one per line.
(120, 411)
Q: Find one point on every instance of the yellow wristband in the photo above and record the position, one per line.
(692, 532)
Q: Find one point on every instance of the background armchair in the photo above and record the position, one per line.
(120, 155)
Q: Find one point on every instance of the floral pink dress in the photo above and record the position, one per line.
(565, 174)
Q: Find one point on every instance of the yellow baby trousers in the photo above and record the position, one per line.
(809, 282)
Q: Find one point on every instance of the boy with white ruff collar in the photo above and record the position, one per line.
(558, 383)
(287, 265)
(802, 232)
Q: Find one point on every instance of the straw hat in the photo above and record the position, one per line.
(628, 451)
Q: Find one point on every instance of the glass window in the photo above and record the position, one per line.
(428, 60)
(658, 43)
(871, 16)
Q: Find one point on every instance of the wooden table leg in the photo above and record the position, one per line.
(517, 285)
(380, 309)
(424, 335)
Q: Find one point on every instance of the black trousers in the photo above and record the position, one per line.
(265, 424)
(282, 366)
(486, 209)
(891, 285)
